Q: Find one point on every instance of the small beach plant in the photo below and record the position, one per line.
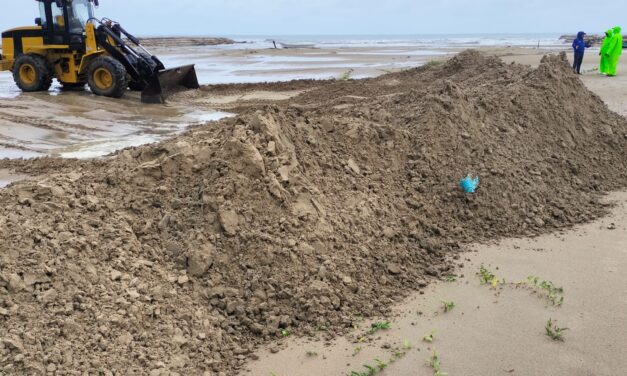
(429, 337)
(555, 332)
(448, 306)
(379, 325)
(434, 362)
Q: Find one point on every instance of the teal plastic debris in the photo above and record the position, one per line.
(469, 185)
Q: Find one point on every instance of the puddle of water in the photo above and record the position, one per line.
(81, 125)
(315, 59)
(402, 53)
(10, 153)
(104, 147)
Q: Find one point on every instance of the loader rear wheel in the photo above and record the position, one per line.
(32, 73)
(107, 77)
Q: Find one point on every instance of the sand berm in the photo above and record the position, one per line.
(180, 258)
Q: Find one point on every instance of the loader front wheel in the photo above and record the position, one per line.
(107, 77)
(32, 73)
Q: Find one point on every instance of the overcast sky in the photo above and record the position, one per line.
(372, 17)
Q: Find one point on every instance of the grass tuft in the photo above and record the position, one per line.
(379, 325)
(447, 306)
(555, 332)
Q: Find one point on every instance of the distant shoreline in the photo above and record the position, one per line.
(185, 41)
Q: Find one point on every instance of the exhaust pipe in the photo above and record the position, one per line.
(165, 82)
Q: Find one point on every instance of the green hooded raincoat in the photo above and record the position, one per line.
(615, 50)
(605, 56)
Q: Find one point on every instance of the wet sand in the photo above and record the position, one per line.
(499, 331)
(80, 125)
(7, 177)
(224, 65)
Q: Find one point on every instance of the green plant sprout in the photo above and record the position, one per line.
(555, 332)
(429, 337)
(448, 305)
(554, 294)
(488, 278)
(379, 325)
(379, 365)
(370, 371)
(434, 362)
(406, 345)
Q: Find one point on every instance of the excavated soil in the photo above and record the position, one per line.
(180, 258)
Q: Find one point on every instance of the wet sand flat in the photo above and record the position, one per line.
(499, 331)
(7, 177)
(78, 124)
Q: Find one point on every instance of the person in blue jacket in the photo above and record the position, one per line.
(579, 46)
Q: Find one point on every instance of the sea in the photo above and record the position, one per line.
(331, 56)
(427, 41)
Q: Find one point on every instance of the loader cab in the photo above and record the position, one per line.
(63, 21)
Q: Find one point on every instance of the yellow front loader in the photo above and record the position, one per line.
(70, 44)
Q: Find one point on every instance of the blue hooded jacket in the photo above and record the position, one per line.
(579, 44)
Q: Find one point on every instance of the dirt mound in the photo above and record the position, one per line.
(181, 257)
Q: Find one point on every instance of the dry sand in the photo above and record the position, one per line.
(501, 331)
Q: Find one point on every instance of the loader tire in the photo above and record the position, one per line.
(107, 77)
(32, 72)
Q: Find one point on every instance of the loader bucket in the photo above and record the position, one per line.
(160, 85)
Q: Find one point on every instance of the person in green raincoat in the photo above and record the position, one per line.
(605, 56)
(615, 50)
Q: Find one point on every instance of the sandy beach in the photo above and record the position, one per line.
(250, 226)
(498, 330)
